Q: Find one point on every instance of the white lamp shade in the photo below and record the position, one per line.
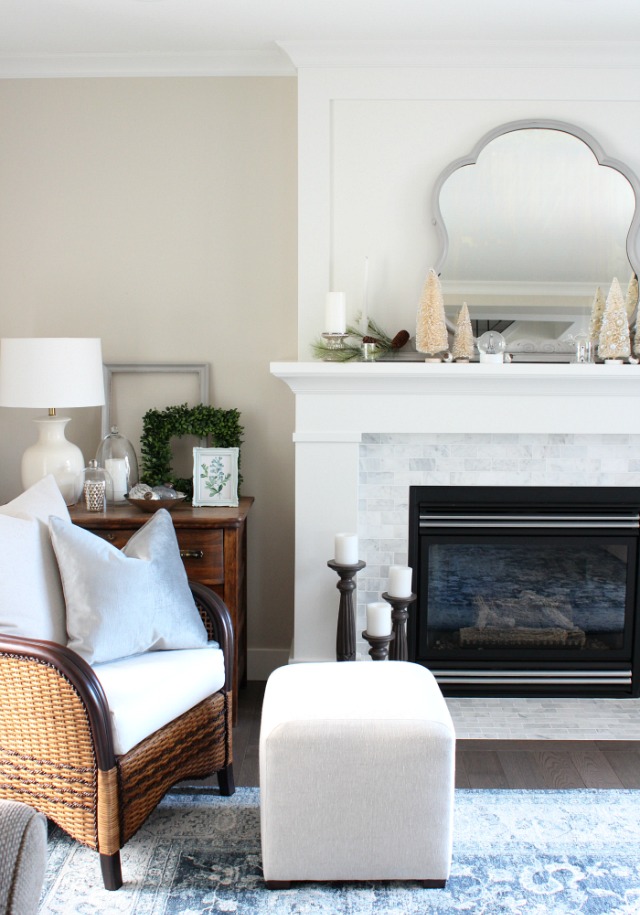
(51, 372)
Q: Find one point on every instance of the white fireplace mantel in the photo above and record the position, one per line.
(353, 398)
(338, 403)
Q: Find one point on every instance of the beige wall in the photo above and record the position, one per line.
(160, 215)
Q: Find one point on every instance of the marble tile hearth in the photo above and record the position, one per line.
(545, 718)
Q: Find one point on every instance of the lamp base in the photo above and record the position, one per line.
(53, 454)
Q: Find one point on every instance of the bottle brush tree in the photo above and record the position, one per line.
(462, 348)
(614, 342)
(632, 297)
(432, 337)
(597, 311)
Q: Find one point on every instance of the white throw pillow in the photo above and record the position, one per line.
(124, 602)
(31, 599)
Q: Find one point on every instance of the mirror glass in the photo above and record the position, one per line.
(532, 222)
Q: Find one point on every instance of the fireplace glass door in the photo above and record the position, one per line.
(526, 589)
(503, 597)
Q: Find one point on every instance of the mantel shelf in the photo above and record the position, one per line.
(338, 400)
(571, 380)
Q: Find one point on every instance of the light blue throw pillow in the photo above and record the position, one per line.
(125, 602)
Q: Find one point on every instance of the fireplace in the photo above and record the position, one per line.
(526, 590)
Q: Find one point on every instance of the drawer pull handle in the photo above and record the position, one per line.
(192, 554)
(111, 537)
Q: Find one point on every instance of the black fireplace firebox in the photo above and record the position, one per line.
(526, 590)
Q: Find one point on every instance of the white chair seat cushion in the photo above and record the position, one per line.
(356, 773)
(147, 691)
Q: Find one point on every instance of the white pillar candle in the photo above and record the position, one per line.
(346, 549)
(117, 470)
(399, 581)
(335, 319)
(379, 619)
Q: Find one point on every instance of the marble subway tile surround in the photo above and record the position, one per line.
(545, 719)
(390, 463)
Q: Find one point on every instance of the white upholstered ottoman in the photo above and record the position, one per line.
(356, 774)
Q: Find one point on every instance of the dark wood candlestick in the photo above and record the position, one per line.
(346, 631)
(399, 649)
(379, 650)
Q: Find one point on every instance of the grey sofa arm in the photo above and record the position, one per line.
(23, 858)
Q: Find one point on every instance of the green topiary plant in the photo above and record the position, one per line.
(215, 427)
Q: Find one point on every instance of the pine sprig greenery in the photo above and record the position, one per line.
(353, 350)
(215, 427)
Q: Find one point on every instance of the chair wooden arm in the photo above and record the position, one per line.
(217, 619)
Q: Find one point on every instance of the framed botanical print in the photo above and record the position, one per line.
(215, 476)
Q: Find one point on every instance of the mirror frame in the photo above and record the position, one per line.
(633, 236)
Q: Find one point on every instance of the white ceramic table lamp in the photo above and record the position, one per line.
(52, 372)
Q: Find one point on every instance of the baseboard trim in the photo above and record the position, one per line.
(261, 662)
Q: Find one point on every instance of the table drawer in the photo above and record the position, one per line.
(202, 551)
(203, 555)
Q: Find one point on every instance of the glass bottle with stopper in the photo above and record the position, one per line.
(94, 487)
(117, 456)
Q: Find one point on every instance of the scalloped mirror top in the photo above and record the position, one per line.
(535, 224)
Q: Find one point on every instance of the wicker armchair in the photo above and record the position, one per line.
(56, 748)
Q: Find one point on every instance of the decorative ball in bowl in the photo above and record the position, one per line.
(150, 499)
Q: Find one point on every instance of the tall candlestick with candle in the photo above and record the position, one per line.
(347, 565)
(399, 596)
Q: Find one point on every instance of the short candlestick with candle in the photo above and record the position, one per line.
(399, 596)
(347, 565)
(378, 632)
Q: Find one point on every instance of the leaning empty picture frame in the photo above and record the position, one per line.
(133, 388)
(215, 476)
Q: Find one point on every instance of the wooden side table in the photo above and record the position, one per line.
(213, 546)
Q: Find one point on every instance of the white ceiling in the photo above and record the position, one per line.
(54, 37)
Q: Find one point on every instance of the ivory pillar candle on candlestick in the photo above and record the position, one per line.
(346, 549)
(335, 319)
(378, 619)
(399, 581)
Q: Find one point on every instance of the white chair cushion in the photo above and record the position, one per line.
(31, 599)
(147, 691)
(125, 602)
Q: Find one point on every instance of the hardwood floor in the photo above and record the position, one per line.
(482, 763)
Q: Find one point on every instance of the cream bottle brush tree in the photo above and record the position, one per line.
(614, 343)
(632, 297)
(463, 343)
(432, 337)
(597, 311)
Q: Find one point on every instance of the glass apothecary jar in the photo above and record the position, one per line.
(94, 488)
(118, 458)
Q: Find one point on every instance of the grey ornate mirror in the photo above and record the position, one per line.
(531, 223)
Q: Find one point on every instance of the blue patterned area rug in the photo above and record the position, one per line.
(515, 853)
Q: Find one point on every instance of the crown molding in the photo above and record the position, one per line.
(286, 57)
(463, 54)
(217, 63)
